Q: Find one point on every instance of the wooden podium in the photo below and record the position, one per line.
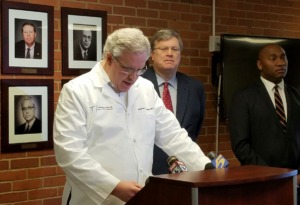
(244, 185)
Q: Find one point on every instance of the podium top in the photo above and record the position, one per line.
(225, 176)
(248, 184)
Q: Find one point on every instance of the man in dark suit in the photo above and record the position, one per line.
(28, 47)
(187, 94)
(32, 123)
(84, 46)
(258, 135)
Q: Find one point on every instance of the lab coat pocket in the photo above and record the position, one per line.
(146, 127)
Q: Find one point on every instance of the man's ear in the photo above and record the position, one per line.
(259, 66)
(151, 56)
(109, 58)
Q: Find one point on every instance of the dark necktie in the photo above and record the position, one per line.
(166, 97)
(27, 129)
(85, 55)
(28, 53)
(279, 108)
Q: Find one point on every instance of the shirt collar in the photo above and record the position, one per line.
(270, 85)
(30, 47)
(172, 81)
(31, 122)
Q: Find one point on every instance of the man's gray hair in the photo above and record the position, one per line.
(165, 34)
(126, 39)
(29, 98)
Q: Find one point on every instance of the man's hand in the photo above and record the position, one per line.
(125, 190)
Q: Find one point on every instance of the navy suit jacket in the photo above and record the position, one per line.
(189, 112)
(256, 134)
(35, 128)
(20, 50)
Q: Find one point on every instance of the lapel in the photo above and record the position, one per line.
(266, 98)
(96, 73)
(182, 96)
(289, 105)
(150, 75)
(265, 95)
(133, 92)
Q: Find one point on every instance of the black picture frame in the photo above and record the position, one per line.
(13, 114)
(64, 81)
(14, 16)
(74, 22)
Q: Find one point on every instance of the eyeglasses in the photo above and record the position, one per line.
(174, 50)
(29, 108)
(129, 71)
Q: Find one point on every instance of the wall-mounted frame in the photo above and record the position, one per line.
(22, 101)
(63, 81)
(88, 27)
(18, 23)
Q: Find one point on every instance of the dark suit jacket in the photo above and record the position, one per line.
(91, 52)
(20, 50)
(189, 112)
(256, 134)
(36, 128)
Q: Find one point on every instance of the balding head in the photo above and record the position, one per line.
(272, 62)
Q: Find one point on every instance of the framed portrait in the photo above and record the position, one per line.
(83, 35)
(27, 38)
(27, 114)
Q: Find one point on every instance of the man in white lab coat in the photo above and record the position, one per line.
(106, 124)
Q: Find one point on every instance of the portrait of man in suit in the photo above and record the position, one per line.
(30, 124)
(28, 47)
(84, 43)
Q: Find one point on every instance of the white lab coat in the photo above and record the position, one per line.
(98, 141)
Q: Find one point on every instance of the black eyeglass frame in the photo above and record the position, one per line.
(129, 71)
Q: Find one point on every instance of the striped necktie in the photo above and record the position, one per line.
(28, 53)
(167, 97)
(279, 108)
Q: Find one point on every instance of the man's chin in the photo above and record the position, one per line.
(125, 88)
